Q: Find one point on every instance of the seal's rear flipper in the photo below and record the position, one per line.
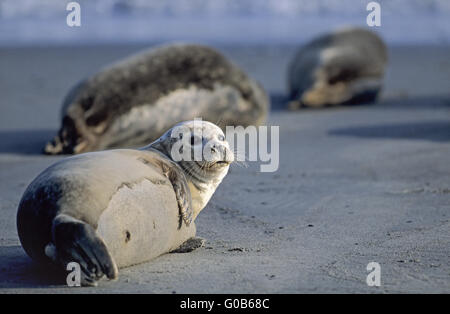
(190, 245)
(53, 147)
(76, 241)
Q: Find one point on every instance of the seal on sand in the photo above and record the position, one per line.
(132, 102)
(116, 208)
(345, 67)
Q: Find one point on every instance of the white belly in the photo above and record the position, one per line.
(141, 222)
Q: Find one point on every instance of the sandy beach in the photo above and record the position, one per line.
(355, 185)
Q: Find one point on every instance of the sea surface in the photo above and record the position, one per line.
(29, 22)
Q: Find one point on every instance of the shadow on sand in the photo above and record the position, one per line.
(19, 271)
(31, 142)
(435, 131)
(278, 102)
(430, 130)
(25, 142)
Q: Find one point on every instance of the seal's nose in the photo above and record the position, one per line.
(220, 152)
(228, 155)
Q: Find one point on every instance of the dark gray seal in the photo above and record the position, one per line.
(116, 208)
(344, 67)
(134, 101)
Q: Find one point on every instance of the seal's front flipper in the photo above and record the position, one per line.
(182, 192)
(183, 198)
(176, 176)
(190, 245)
(76, 241)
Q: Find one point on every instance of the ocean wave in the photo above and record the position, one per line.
(223, 21)
(220, 8)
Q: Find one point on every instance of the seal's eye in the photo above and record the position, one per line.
(221, 137)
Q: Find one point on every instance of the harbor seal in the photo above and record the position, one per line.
(132, 102)
(344, 67)
(111, 209)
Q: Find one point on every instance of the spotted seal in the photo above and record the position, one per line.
(133, 101)
(116, 208)
(344, 67)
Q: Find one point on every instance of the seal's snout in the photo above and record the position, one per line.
(220, 151)
(228, 156)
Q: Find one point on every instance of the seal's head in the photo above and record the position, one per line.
(202, 151)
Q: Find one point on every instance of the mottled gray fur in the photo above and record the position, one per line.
(344, 67)
(135, 100)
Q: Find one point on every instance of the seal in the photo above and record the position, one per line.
(132, 102)
(111, 209)
(344, 67)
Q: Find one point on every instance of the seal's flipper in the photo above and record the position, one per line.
(76, 241)
(190, 245)
(176, 177)
(54, 147)
(183, 197)
(179, 183)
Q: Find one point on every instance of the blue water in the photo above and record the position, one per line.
(217, 21)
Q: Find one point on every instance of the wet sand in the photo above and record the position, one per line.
(355, 184)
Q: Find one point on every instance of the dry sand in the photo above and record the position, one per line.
(355, 184)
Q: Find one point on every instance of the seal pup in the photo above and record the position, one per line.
(344, 67)
(111, 209)
(132, 102)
